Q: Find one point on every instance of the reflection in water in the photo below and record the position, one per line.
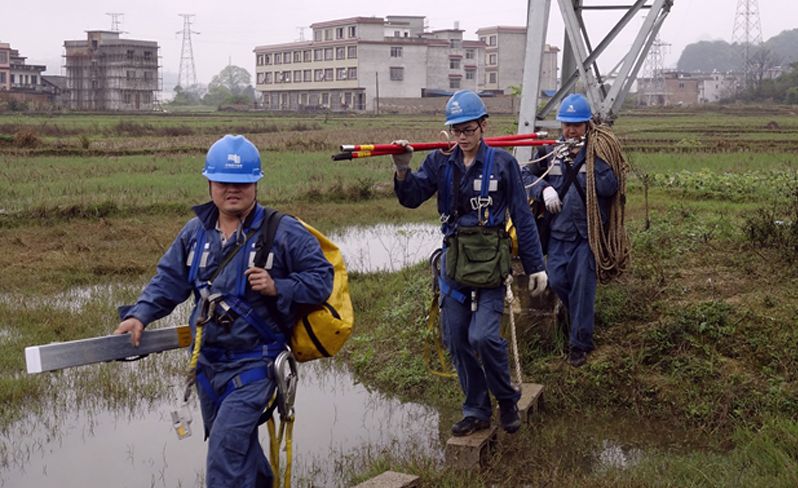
(336, 419)
(386, 247)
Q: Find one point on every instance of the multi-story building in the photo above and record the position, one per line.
(717, 86)
(672, 88)
(352, 62)
(105, 72)
(5, 66)
(504, 59)
(25, 76)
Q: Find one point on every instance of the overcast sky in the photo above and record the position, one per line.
(229, 30)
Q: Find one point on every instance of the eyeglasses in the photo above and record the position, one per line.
(468, 132)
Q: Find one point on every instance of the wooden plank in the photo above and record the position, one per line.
(531, 400)
(391, 479)
(60, 355)
(471, 451)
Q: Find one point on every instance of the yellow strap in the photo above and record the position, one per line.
(274, 452)
(192, 364)
(433, 341)
(288, 435)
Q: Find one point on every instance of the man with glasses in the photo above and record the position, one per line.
(476, 186)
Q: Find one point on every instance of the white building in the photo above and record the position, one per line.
(351, 62)
(504, 59)
(716, 86)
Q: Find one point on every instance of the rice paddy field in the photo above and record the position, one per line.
(693, 382)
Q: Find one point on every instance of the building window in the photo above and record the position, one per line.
(130, 53)
(267, 78)
(317, 35)
(397, 34)
(469, 54)
(259, 61)
(287, 58)
(318, 54)
(318, 74)
(492, 60)
(130, 75)
(3, 57)
(278, 77)
(328, 54)
(307, 75)
(483, 40)
(352, 31)
(470, 74)
(278, 58)
(340, 73)
(126, 97)
(454, 83)
(2, 78)
(260, 78)
(397, 73)
(396, 51)
(492, 41)
(454, 63)
(455, 43)
(339, 33)
(286, 77)
(147, 55)
(148, 75)
(325, 99)
(297, 76)
(34, 80)
(492, 78)
(303, 98)
(340, 52)
(328, 74)
(351, 52)
(297, 56)
(146, 97)
(267, 59)
(328, 34)
(351, 73)
(306, 56)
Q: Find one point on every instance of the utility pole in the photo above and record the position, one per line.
(747, 32)
(187, 73)
(377, 105)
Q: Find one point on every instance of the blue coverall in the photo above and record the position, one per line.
(235, 378)
(570, 265)
(474, 336)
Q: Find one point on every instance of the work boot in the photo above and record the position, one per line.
(468, 426)
(508, 415)
(577, 358)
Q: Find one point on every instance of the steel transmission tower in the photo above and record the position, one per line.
(187, 75)
(747, 31)
(653, 69)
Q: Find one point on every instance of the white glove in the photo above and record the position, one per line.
(402, 160)
(537, 283)
(552, 200)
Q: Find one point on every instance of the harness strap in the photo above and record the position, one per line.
(448, 290)
(245, 378)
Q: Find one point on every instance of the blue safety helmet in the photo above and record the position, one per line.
(233, 159)
(574, 108)
(464, 106)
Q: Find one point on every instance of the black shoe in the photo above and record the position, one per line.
(508, 415)
(468, 426)
(577, 358)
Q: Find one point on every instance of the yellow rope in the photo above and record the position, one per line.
(192, 364)
(433, 342)
(274, 451)
(611, 248)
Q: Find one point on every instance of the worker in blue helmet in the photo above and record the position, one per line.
(245, 312)
(476, 187)
(570, 262)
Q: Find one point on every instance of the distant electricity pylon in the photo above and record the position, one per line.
(187, 72)
(653, 68)
(115, 21)
(747, 30)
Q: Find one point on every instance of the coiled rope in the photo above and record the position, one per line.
(611, 248)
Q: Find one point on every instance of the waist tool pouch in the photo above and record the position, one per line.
(478, 257)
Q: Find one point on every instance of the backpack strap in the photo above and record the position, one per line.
(264, 259)
(484, 202)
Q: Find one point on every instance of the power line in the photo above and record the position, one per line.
(187, 72)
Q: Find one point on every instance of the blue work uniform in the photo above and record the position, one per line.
(570, 265)
(472, 337)
(234, 374)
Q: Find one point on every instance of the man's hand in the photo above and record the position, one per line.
(402, 160)
(537, 283)
(261, 281)
(552, 200)
(134, 327)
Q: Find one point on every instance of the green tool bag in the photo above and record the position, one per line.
(478, 257)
